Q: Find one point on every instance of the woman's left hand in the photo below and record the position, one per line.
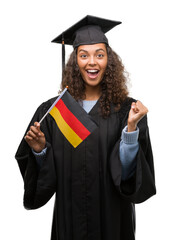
(136, 113)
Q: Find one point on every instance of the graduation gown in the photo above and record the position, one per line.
(92, 202)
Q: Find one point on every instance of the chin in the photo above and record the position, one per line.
(93, 82)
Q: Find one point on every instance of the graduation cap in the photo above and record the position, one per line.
(89, 30)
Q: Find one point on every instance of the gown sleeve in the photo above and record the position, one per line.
(40, 157)
(39, 184)
(141, 186)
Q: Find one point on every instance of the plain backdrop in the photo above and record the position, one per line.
(30, 73)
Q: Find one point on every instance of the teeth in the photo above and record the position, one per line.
(92, 71)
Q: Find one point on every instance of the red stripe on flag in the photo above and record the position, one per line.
(72, 121)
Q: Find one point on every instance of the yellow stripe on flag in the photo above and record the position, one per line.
(71, 136)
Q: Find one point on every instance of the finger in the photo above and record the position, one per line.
(34, 130)
(139, 104)
(134, 107)
(142, 108)
(28, 138)
(37, 125)
(32, 135)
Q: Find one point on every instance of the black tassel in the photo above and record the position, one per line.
(63, 53)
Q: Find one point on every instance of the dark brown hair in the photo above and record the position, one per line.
(113, 86)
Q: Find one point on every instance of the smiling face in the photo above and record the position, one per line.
(92, 62)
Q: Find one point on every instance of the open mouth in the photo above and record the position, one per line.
(92, 73)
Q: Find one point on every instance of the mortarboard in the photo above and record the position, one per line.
(89, 30)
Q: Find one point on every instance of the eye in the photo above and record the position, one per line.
(83, 56)
(100, 55)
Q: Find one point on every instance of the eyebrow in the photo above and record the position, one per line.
(97, 50)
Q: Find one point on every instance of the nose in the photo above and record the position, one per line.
(92, 61)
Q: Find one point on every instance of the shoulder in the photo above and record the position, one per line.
(127, 103)
(125, 107)
(43, 108)
(124, 111)
(47, 104)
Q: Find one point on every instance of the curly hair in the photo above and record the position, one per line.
(113, 86)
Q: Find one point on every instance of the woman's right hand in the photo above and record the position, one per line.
(36, 138)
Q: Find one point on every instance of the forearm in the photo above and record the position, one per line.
(128, 149)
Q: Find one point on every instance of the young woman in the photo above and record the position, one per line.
(97, 183)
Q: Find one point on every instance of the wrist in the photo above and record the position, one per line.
(129, 137)
(131, 127)
(42, 153)
(39, 149)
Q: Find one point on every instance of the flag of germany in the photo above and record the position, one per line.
(72, 119)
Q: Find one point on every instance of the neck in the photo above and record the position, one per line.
(92, 93)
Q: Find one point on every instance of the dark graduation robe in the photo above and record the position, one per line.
(92, 202)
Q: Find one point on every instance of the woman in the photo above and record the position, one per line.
(97, 183)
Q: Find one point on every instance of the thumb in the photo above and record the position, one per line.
(37, 125)
(134, 107)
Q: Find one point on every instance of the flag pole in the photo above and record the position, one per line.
(62, 93)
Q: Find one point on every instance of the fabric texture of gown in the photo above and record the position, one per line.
(91, 202)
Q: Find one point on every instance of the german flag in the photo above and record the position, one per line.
(72, 119)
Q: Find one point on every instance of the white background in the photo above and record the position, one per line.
(30, 73)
